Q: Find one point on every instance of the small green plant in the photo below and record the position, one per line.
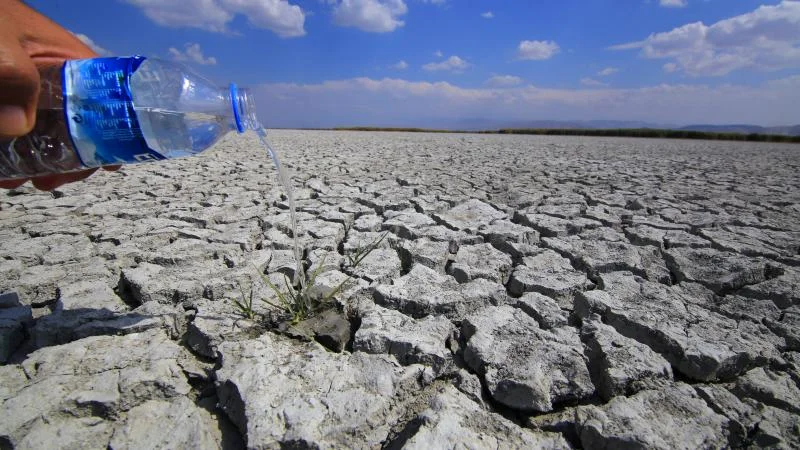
(362, 252)
(246, 305)
(300, 303)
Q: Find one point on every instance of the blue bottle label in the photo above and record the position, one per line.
(99, 111)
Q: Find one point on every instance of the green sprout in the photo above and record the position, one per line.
(300, 303)
(362, 252)
(246, 305)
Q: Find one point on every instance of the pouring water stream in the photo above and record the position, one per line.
(283, 177)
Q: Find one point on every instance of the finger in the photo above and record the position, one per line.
(50, 182)
(46, 42)
(20, 80)
(12, 184)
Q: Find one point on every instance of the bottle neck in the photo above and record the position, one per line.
(244, 109)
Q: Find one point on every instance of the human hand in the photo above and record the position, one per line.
(30, 42)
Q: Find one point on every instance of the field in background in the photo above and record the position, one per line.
(619, 132)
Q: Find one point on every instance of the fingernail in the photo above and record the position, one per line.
(13, 120)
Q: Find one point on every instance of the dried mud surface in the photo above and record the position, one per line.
(531, 292)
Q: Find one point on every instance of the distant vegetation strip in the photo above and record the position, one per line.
(617, 132)
(410, 130)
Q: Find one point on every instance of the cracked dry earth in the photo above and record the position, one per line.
(532, 292)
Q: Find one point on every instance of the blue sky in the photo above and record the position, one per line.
(318, 63)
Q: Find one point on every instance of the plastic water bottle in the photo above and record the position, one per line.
(106, 111)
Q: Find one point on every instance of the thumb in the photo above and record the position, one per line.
(19, 79)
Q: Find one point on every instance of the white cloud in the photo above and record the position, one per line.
(400, 102)
(92, 44)
(537, 50)
(279, 16)
(374, 16)
(438, 53)
(193, 54)
(504, 81)
(673, 3)
(453, 64)
(791, 82)
(591, 82)
(607, 71)
(764, 39)
(399, 65)
(487, 15)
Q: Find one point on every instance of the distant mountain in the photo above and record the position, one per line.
(745, 129)
(788, 130)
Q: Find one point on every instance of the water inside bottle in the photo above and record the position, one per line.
(176, 134)
(283, 176)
